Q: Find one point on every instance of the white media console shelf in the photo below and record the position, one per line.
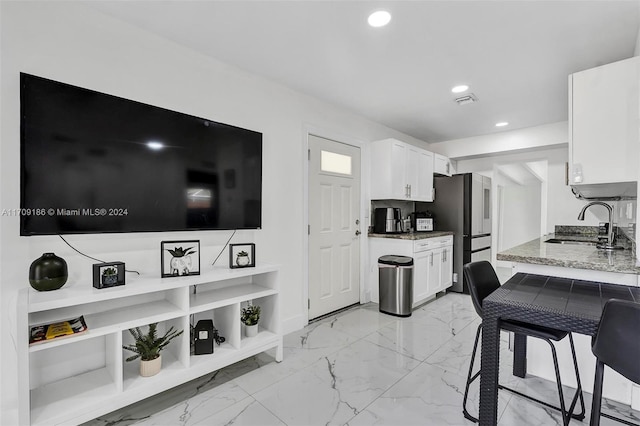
(79, 378)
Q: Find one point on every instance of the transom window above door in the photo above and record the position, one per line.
(332, 162)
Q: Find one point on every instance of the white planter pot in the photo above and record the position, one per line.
(150, 368)
(251, 330)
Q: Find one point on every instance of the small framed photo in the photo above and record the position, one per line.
(242, 255)
(180, 258)
(108, 274)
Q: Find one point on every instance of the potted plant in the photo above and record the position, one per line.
(147, 347)
(250, 317)
(242, 258)
(109, 276)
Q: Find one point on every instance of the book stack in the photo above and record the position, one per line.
(57, 330)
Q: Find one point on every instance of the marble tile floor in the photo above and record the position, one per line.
(358, 367)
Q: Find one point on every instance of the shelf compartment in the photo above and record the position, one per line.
(269, 321)
(62, 386)
(106, 322)
(171, 368)
(206, 299)
(175, 356)
(57, 402)
(226, 319)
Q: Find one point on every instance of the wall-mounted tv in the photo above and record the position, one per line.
(96, 163)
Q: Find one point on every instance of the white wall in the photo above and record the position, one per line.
(520, 218)
(67, 42)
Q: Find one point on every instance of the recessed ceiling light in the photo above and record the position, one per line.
(154, 145)
(460, 89)
(502, 124)
(379, 18)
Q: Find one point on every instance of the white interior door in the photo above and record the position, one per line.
(334, 228)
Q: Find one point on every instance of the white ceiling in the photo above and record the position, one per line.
(514, 55)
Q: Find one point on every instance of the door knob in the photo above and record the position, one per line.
(358, 232)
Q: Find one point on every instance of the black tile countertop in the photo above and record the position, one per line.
(413, 235)
(538, 252)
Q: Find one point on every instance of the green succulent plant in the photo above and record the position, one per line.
(180, 252)
(243, 253)
(109, 271)
(148, 346)
(250, 315)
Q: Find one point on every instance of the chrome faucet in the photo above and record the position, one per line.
(611, 235)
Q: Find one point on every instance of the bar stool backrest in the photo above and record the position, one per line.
(617, 343)
(481, 280)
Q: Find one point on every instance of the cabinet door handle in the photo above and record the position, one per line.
(431, 259)
(447, 168)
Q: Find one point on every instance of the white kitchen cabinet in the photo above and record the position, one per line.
(424, 181)
(435, 270)
(432, 263)
(74, 380)
(603, 123)
(441, 165)
(446, 276)
(421, 275)
(400, 171)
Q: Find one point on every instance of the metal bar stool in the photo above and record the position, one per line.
(616, 344)
(482, 281)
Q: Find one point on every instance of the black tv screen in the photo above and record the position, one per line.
(96, 163)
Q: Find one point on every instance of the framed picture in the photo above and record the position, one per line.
(242, 255)
(108, 274)
(180, 258)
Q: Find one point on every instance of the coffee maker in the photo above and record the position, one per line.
(387, 220)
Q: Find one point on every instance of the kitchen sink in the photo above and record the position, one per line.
(569, 241)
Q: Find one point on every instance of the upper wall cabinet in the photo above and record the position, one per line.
(441, 165)
(400, 171)
(603, 123)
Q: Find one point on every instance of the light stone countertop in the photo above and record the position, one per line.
(538, 252)
(413, 235)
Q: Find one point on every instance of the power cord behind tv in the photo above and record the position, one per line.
(225, 246)
(86, 255)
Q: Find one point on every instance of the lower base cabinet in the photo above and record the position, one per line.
(432, 263)
(78, 378)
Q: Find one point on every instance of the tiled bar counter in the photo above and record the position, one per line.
(578, 261)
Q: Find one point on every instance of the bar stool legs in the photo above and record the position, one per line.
(471, 379)
(597, 395)
(596, 406)
(566, 414)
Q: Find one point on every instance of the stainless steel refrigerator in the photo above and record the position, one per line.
(462, 204)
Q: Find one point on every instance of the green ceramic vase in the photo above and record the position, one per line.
(48, 272)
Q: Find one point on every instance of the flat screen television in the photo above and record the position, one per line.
(97, 163)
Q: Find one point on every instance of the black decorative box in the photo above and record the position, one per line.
(107, 275)
(203, 337)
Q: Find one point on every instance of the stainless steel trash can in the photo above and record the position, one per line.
(395, 285)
